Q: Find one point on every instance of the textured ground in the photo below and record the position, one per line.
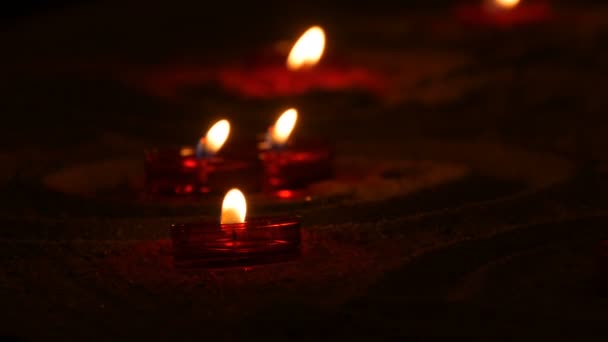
(504, 249)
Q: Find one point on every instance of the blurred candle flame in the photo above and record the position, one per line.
(234, 207)
(308, 50)
(282, 129)
(215, 138)
(506, 4)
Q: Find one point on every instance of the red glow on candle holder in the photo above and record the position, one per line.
(494, 14)
(285, 194)
(268, 80)
(190, 163)
(256, 241)
(169, 172)
(296, 166)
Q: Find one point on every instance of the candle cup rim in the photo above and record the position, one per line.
(152, 155)
(258, 241)
(262, 222)
(307, 146)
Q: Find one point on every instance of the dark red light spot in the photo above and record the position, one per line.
(190, 163)
(284, 194)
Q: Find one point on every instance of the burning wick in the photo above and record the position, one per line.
(506, 4)
(308, 50)
(234, 207)
(234, 241)
(280, 132)
(214, 140)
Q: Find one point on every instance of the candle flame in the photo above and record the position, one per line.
(234, 207)
(284, 126)
(506, 4)
(308, 50)
(216, 136)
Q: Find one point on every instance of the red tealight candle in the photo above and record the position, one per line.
(273, 75)
(187, 170)
(504, 13)
(235, 241)
(290, 165)
(300, 71)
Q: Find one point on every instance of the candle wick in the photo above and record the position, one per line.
(201, 151)
(271, 145)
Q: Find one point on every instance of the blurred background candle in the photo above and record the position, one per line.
(291, 163)
(210, 167)
(269, 73)
(308, 50)
(503, 13)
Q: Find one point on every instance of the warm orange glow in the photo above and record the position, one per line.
(216, 137)
(506, 4)
(234, 207)
(186, 151)
(308, 50)
(282, 129)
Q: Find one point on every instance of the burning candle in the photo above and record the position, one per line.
(504, 13)
(289, 164)
(271, 74)
(216, 136)
(302, 70)
(235, 241)
(203, 169)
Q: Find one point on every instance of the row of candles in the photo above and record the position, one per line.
(202, 169)
(274, 163)
(235, 240)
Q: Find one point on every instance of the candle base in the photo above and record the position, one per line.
(490, 16)
(257, 241)
(297, 166)
(168, 172)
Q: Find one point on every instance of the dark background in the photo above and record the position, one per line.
(509, 251)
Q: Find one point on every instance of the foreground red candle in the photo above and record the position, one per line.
(235, 241)
(188, 170)
(290, 164)
(504, 13)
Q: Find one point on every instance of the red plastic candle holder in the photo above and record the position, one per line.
(269, 77)
(169, 172)
(257, 241)
(488, 15)
(296, 166)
